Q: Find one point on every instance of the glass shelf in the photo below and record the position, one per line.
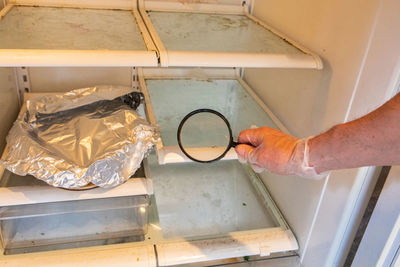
(195, 199)
(206, 35)
(60, 36)
(77, 35)
(69, 29)
(216, 33)
(172, 99)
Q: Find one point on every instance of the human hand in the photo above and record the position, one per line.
(270, 149)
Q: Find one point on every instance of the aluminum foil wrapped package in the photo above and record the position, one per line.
(91, 135)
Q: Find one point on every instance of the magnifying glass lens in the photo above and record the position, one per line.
(205, 136)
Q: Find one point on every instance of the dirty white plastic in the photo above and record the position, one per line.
(191, 6)
(240, 244)
(137, 256)
(247, 60)
(97, 4)
(42, 194)
(75, 58)
(173, 154)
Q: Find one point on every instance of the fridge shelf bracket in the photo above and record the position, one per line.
(5, 10)
(152, 33)
(23, 82)
(135, 78)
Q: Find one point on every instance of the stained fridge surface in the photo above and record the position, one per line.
(172, 211)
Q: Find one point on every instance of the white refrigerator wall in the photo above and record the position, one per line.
(9, 105)
(350, 37)
(308, 101)
(61, 79)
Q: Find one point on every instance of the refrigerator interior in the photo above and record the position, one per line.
(305, 101)
(193, 204)
(247, 197)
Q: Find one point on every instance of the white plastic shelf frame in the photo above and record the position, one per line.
(71, 33)
(217, 35)
(16, 190)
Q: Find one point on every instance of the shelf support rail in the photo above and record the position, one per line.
(6, 7)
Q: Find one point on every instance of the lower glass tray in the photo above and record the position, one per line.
(213, 199)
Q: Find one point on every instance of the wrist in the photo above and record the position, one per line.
(300, 161)
(322, 150)
(314, 159)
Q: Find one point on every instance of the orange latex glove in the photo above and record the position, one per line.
(272, 150)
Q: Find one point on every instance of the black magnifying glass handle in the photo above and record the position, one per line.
(234, 144)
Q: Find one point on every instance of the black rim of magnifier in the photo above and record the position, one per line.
(205, 110)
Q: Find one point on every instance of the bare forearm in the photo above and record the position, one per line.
(371, 140)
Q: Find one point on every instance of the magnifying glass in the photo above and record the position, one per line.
(205, 135)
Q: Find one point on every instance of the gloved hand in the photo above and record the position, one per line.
(272, 150)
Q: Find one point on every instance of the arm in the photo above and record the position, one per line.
(371, 140)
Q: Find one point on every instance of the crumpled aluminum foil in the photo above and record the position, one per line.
(90, 135)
